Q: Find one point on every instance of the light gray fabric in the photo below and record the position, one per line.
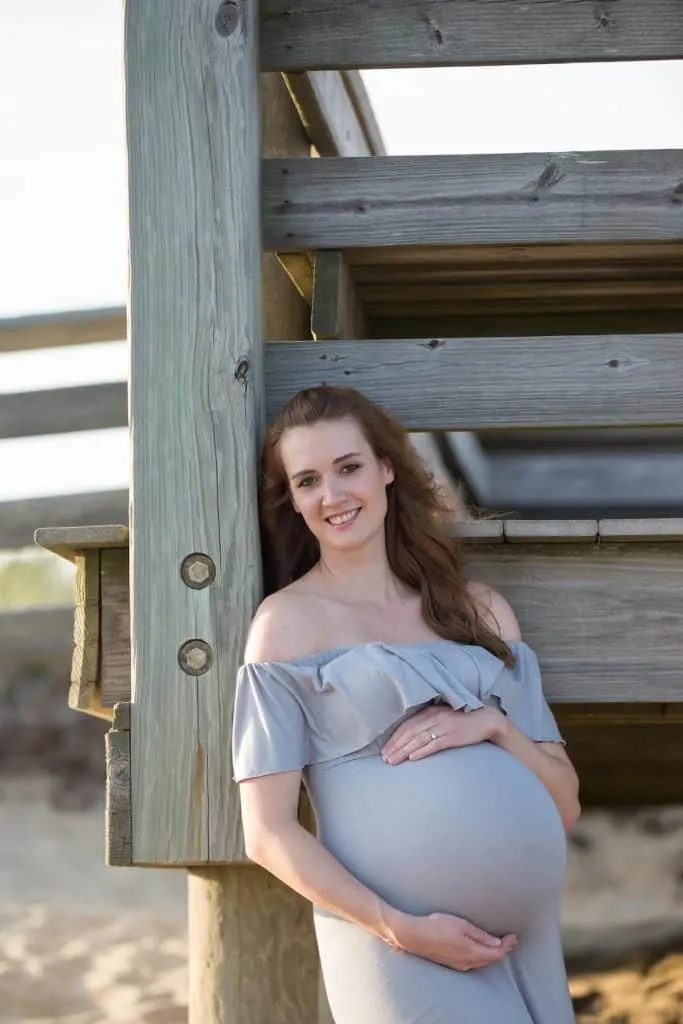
(324, 705)
(469, 831)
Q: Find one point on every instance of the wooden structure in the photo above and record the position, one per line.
(526, 293)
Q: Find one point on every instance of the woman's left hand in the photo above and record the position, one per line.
(438, 728)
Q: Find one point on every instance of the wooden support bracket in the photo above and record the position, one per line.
(118, 811)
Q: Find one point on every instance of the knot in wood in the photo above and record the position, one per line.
(198, 570)
(227, 18)
(195, 657)
(242, 371)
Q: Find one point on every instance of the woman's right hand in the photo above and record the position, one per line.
(451, 941)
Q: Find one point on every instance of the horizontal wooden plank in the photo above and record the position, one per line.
(479, 530)
(306, 34)
(495, 383)
(90, 407)
(69, 541)
(549, 530)
(459, 200)
(74, 327)
(20, 519)
(605, 619)
(642, 529)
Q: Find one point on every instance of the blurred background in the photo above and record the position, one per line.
(82, 943)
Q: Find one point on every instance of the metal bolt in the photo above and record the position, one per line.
(227, 18)
(198, 570)
(195, 657)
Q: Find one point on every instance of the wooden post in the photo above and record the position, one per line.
(196, 418)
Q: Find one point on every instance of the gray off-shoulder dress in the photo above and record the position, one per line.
(468, 831)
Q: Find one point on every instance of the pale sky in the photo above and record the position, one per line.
(63, 180)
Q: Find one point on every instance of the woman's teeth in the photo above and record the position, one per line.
(345, 517)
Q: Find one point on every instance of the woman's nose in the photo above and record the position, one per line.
(332, 490)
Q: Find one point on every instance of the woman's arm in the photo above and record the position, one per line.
(548, 761)
(276, 841)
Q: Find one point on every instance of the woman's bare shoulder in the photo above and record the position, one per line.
(495, 611)
(283, 627)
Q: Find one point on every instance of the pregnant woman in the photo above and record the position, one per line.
(405, 698)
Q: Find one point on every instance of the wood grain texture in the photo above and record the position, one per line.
(305, 34)
(89, 407)
(550, 530)
(118, 804)
(495, 383)
(328, 114)
(268, 974)
(337, 312)
(465, 200)
(84, 693)
(115, 640)
(192, 114)
(604, 618)
(285, 311)
(70, 541)
(20, 519)
(656, 529)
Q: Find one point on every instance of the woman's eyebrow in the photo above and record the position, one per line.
(340, 458)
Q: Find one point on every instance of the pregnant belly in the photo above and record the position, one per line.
(470, 831)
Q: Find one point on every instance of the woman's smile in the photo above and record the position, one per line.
(343, 519)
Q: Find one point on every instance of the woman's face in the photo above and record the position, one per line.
(336, 482)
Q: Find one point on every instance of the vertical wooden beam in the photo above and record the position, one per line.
(337, 312)
(84, 691)
(196, 418)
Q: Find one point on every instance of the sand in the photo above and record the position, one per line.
(81, 943)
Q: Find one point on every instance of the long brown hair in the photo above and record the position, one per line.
(420, 551)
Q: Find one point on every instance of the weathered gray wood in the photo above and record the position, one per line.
(553, 531)
(604, 618)
(20, 519)
(193, 159)
(84, 691)
(364, 110)
(92, 407)
(115, 643)
(118, 835)
(495, 383)
(69, 541)
(273, 981)
(285, 313)
(459, 200)
(50, 330)
(655, 529)
(337, 313)
(305, 34)
(479, 530)
(328, 114)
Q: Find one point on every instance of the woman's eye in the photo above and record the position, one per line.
(352, 466)
(305, 481)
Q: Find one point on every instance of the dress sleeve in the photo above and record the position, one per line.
(269, 726)
(520, 692)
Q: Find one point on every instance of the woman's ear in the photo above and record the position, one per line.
(388, 471)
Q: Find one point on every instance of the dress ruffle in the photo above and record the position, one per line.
(335, 703)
